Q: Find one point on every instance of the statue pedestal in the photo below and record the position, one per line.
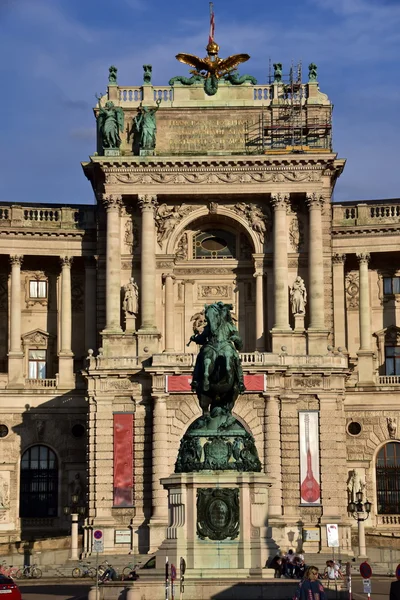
(130, 323)
(299, 322)
(208, 509)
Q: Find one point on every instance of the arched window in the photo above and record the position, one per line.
(388, 479)
(214, 243)
(39, 483)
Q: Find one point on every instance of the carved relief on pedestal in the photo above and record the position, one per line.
(213, 292)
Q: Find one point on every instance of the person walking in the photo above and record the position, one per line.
(310, 587)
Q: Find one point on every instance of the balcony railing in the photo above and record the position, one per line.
(389, 380)
(35, 384)
(366, 214)
(388, 520)
(47, 218)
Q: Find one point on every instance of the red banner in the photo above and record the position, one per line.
(181, 383)
(123, 459)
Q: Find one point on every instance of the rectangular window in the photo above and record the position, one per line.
(391, 285)
(37, 364)
(392, 360)
(37, 289)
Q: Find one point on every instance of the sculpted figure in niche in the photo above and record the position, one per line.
(392, 428)
(167, 219)
(78, 488)
(298, 296)
(355, 483)
(131, 298)
(4, 494)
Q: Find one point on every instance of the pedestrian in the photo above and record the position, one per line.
(290, 564)
(395, 590)
(310, 587)
(277, 564)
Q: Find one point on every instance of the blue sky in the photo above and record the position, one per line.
(56, 54)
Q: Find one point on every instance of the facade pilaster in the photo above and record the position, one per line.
(260, 344)
(15, 354)
(365, 354)
(339, 309)
(65, 356)
(90, 304)
(168, 280)
(159, 519)
(147, 205)
(112, 205)
(273, 454)
(281, 329)
(317, 334)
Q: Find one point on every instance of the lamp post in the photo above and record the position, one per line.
(360, 510)
(75, 511)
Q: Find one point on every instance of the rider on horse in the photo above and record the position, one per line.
(227, 348)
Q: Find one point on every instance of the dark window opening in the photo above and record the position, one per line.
(388, 479)
(39, 483)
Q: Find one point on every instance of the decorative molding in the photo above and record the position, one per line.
(167, 218)
(363, 257)
(200, 271)
(307, 382)
(338, 259)
(112, 201)
(280, 201)
(259, 219)
(35, 276)
(214, 291)
(66, 261)
(147, 202)
(352, 286)
(16, 259)
(315, 200)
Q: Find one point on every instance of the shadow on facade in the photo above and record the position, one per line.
(51, 468)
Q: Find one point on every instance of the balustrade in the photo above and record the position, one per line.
(389, 380)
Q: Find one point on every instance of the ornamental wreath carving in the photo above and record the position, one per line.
(218, 513)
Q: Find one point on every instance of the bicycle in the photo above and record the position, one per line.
(130, 567)
(8, 571)
(84, 570)
(29, 571)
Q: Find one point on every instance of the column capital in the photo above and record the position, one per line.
(165, 276)
(363, 257)
(16, 259)
(66, 261)
(280, 200)
(314, 200)
(147, 201)
(338, 259)
(112, 201)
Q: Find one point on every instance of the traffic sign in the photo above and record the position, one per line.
(98, 534)
(365, 570)
(173, 572)
(367, 586)
(98, 546)
(398, 572)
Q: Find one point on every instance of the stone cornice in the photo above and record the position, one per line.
(216, 170)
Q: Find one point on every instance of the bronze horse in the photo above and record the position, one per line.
(218, 376)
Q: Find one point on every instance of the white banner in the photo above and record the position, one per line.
(332, 534)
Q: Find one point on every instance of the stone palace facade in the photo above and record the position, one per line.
(98, 303)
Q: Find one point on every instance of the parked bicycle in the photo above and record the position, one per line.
(8, 570)
(84, 570)
(29, 571)
(129, 572)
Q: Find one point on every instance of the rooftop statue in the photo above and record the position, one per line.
(212, 68)
(146, 126)
(110, 124)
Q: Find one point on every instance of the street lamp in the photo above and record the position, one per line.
(360, 511)
(75, 511)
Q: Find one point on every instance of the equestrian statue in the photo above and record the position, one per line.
(218, 376)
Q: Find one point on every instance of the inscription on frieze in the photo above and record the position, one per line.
(194, 135)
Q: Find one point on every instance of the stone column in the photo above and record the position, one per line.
(74, 536)
(148, 204)
(281, 328)
(15, 355)
(159, 519)
(112, 205)
(366, 367)
(365, 308)
(273, 453)
(65, 356)
(315, 262)
(259, 311)
(339, 310)
(90, 304)
(168, 280)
